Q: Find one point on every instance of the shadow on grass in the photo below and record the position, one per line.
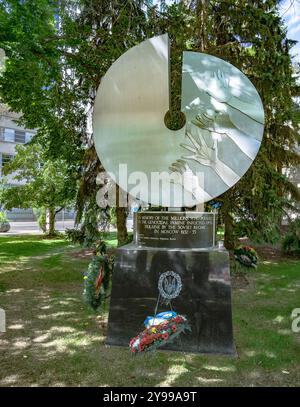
(15, 248)
(52, 339)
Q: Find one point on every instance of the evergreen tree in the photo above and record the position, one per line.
(57, 53)
(251, 35)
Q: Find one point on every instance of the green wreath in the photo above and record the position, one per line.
(96, 280)
(246, 256)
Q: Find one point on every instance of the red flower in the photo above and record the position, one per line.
(148, 340)
(165, 336)
(178, 320)
(174, 328)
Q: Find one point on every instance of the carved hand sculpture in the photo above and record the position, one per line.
(220, 90)
(206, 155)
(130, 107)
(213, 123)
(184, 176)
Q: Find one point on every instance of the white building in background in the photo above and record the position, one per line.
(10, 135)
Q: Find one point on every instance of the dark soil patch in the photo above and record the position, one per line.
(239, 281)
(81, 254)
(270, 253)
(87, 253)
(266, 252)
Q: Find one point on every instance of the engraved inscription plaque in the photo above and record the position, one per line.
(176, 229)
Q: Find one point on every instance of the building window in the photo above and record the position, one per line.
(6, 158)
(9, 135)
(15, 136)
(20, 136)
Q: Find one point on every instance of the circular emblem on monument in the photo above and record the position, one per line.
(169, 285)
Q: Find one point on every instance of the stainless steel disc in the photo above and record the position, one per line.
(221, 137)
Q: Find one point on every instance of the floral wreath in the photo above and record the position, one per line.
(160, 330)
(246, 256)
(97, 278)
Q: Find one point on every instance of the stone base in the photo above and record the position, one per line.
(205, 298)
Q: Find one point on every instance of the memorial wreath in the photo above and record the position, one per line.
(246, 256)
(160, 330)
(97, 278)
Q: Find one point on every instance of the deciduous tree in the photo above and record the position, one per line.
(37, 182)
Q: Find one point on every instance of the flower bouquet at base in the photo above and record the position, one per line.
(160, 330)
(246, 256)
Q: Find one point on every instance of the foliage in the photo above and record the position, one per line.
(86, 234)
(57, 53)
(252, 37)
(178, 21)
(75, 236)
(113, 216)
(3, 217)
(55, 64)
(4, 223)
(47, 183)
(40, 214)
(291, 241)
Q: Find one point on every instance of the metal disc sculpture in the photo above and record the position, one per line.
(218, 143)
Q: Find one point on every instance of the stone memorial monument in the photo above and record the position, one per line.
(173, 259)
(179, 247)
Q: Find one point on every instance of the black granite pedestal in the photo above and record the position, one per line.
(205, 297)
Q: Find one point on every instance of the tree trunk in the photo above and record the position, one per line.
(201, 25)
(121, 213)
(42, 219)
(229, 238)
(51, 221)
(229, 235)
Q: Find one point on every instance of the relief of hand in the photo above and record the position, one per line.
(212, 121)
(202, 152)
(219, 89)
(184, 176)
(206, 120)
(206, 155)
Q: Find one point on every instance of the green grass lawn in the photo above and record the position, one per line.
(52, 339)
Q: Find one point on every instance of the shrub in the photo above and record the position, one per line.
(4, 223)
(40, 214)
(3, 217)
(291, 241)
(75, 236)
